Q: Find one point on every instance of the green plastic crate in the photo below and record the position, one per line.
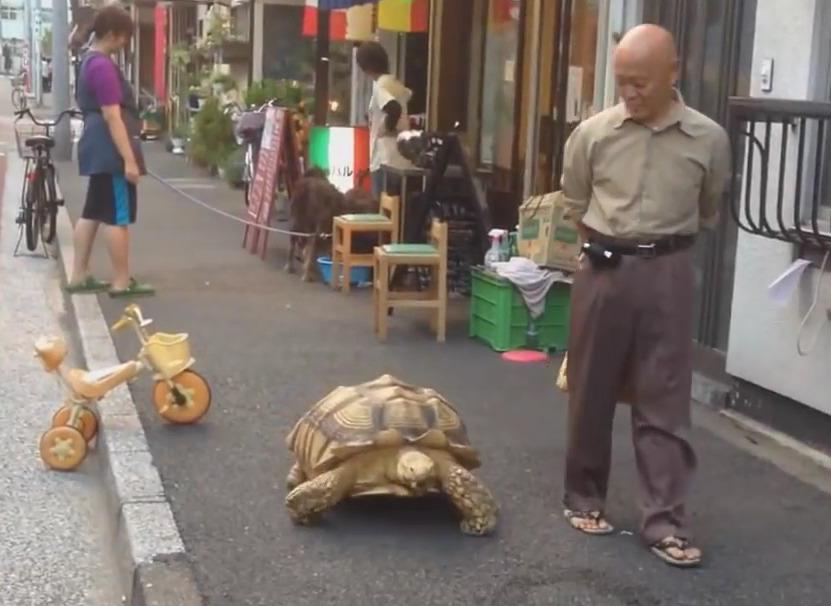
(498, 315)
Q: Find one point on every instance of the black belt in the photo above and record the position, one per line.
(645, 249)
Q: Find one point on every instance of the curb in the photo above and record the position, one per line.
(153, 565)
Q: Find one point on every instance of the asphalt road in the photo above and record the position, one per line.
(271, 346)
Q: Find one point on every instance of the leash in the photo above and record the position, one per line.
(222, 213)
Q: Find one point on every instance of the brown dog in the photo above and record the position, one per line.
(314, 204)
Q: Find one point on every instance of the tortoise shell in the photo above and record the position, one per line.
(379, 414)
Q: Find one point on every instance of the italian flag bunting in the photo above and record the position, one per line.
(343, 154)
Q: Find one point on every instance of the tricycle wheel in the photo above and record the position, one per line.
(63, 448)
(87, 419)
(187, 402)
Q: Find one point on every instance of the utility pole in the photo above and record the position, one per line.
(321, 109)
(60, 78)
(37, 56)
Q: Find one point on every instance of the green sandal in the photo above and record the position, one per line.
(134, 289)
(87, 286)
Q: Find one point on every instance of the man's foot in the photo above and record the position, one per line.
(589, 522)
(677, 552)
(134, 288)
(87, 285)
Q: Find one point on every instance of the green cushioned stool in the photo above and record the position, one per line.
(365, 217)
(409, 249)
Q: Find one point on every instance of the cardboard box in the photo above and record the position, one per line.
(544, 236)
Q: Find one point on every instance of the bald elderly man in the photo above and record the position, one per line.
(641, 179)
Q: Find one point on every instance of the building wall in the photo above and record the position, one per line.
(762, 344)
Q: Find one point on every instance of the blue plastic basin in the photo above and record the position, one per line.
(357, 275)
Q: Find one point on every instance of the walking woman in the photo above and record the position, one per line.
(109, 152)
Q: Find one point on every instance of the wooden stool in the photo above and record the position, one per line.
(434, 256)
(384, 223)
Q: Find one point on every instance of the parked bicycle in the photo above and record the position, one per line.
(41, 195)
(19, 99)
(249, 132)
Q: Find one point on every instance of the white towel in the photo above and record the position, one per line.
(532, 281)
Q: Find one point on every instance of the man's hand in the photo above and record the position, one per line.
(582, 232)
(131, 171)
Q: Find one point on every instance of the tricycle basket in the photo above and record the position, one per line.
(169, 354)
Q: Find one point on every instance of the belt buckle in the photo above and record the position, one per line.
(646, 251)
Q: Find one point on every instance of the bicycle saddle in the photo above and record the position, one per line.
(43, 141)
(94, 384)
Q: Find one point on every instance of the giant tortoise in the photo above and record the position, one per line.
(385, 437)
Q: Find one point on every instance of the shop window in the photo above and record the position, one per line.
(287, 53)
(499, 75)
(340, 82)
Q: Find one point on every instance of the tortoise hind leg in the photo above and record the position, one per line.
(319, 494)
(473, 500)
(295, 478)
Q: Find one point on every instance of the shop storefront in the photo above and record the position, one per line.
(528, 71)
(519, 80)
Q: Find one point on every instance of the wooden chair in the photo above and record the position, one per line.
(434, 256)
(384, 223)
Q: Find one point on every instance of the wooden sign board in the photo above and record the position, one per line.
(279, 157)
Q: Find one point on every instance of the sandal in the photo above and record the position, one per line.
(134, 289)
(580, 520)
(670, 547)
(87, 285)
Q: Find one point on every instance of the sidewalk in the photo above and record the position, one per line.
(271, 346)
(55, 543)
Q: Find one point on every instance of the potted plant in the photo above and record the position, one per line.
(152, 122)
(179, 139)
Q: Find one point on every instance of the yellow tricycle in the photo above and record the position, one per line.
(180, 395)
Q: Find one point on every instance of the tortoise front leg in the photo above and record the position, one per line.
(317, 495)
(473, 500)
(295, 478)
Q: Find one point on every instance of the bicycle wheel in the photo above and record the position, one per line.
(49, 224)
(31, 215)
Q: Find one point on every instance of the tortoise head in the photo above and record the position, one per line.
(415, 470)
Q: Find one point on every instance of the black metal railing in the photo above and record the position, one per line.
(779, 152)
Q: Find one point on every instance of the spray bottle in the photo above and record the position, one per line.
(494, 254)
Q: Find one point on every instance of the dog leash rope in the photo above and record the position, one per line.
(227, 215)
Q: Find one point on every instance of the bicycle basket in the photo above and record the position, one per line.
(250, 125)
(23, 132)
(17, 81)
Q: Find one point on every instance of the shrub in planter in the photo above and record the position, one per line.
(234, 166)
(212, 140)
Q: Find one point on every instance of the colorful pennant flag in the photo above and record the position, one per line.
(353, 24)
(404, 15)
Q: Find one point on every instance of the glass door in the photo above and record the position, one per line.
(567, 77)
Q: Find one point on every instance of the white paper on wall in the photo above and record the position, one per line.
(781, 289)
(574, 97)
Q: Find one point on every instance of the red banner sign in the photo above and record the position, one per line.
(160, 52)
